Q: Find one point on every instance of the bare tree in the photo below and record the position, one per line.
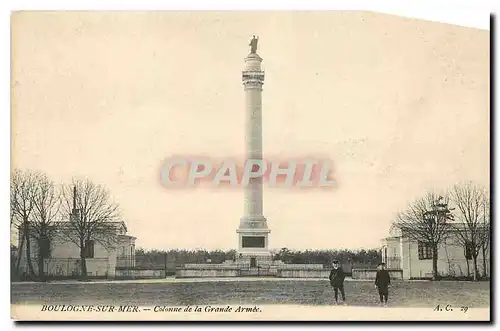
(22, 188)
(15, 219)
(92, 214)
(486, 232)
(46, 202)
(426, 220)
(469, 200)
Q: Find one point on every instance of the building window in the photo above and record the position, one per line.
(468, 250)
(89, 249)
(45, 250)
(424, 251)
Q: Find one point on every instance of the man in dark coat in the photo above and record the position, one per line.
(382, 283)
(337, 277)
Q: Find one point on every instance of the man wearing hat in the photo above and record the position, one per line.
(382, 283)
(337, 277)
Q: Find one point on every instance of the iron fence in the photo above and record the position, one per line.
(393, 262)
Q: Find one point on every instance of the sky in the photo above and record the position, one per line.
(401, 107)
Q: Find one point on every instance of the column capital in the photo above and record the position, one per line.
(253, 79)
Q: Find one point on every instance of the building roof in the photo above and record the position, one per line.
(63, 222)
(127, 236)
(454, 226)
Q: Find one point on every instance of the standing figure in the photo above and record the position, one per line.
(337, 277)
(382, 283)
(253, 45)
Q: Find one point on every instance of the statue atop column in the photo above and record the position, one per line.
(253, 45)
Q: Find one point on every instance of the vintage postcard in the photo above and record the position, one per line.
(277, 166)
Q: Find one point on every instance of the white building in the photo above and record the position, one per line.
(63, 256)
(415, 258)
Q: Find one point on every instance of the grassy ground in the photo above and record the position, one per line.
(402, 294)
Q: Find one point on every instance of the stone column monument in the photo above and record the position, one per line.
(253, 232)
(253, 257)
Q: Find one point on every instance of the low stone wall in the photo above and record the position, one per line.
(205, 266)
(301, 266)
(235, 269)
(65, 267)
(296, 273)
(371, 273)
(132, 273)
(199, 273)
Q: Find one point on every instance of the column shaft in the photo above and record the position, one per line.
(253, 144)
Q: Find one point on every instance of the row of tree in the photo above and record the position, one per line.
(43, 212)
(348, 258)
(460, 215)
(169, 259)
